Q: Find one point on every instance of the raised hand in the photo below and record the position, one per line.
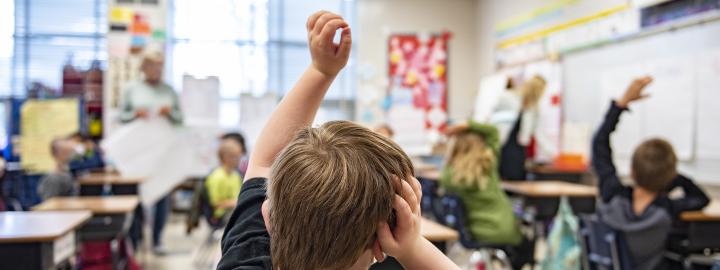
(328, 57)
(634, 92)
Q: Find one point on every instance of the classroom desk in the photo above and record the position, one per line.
(112, 217)
(435, 232)
(544, 196)
(38, 240)
(704, 226)
(429, 174)
(93, 184)
(551, 172)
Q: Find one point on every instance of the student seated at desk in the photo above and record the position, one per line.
(88, 155)
(59, 182)
(223, 184)
(644, 213)
(330, 190)
(471, 172)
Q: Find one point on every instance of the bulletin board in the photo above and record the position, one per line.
(682, 107)
(41, 121)
(418, 87)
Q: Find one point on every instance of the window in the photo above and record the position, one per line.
(46, 34)
(255, 47)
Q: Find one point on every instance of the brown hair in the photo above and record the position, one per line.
(328, 190)
(654, 165)
(532, 91)
(470, 159)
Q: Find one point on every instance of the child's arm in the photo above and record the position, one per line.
(405, 243)
(694, 199)
(299, 106)
(602, 160)
(489, 133)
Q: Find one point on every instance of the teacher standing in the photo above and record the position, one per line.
(146, 98)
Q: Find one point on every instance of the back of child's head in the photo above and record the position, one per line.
(470, 159)
(532, 90)
(328, 190)
(61, 150)
(654, 165)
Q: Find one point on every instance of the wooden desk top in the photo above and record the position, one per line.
(25, 227)
(97, 205)
(710, 213)
(435, 232)
(550, 169)
(429, 174)
(113, 179)
(549, 189)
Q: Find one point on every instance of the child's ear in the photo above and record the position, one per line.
(377, 251)
(265, 211)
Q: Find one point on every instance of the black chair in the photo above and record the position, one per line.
(602, 246)
(450, 211)
(203, 258)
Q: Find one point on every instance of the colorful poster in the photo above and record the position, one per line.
(418, 88)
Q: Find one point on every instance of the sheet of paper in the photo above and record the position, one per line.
(708, 122)
(491, 87)
(199, 100)
(670, 110)
(163, 154)
(41, 122)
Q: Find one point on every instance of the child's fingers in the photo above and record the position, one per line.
(328, 31)
(324, 19)
(385, 236)
(345, 43)
(408, 194)
(417, 188)
(313, 19)
(403, 213)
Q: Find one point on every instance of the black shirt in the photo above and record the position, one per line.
(246, 242)
(617, 210)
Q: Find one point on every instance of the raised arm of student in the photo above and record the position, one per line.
(602, 160)
(297, 110)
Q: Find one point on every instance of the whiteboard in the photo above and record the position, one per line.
(684, 96)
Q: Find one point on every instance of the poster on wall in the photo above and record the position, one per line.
(418, 87)
(134, 28)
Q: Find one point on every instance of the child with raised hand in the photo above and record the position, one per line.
(315, 198)
(644, 211)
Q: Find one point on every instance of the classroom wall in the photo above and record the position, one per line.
(491, 12)
(377, 19)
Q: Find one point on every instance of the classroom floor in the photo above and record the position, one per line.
(194, 252)
(183, 251)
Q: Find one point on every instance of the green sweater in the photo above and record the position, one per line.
(489, 212)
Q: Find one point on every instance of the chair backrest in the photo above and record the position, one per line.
(429, 193)
(603, 247)
(450, 211)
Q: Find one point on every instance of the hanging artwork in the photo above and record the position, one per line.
(417, 98)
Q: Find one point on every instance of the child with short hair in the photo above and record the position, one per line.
(224, 183)
(240, 140)
(643, 212)
(331, 190)
(59, 182)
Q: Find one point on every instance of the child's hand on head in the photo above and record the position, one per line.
(405, 240)
(327, 57)
(634, 91)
